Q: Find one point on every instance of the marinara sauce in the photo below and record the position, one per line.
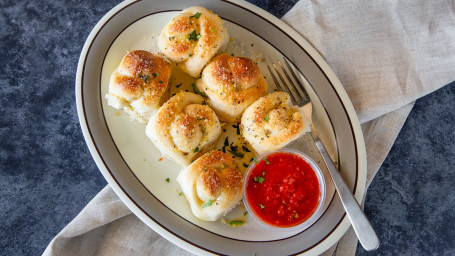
(283, 190)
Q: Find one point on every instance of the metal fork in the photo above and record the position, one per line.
(362, 227)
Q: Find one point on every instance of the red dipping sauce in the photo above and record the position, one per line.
(284, 189)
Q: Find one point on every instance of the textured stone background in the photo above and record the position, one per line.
(47, 174)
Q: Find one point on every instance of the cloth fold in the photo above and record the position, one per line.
(386, 54)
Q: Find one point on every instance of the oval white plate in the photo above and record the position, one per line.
(129, 161)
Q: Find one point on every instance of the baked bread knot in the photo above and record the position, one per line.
(232, 84)
(192, 38)
(140, 84)
(184, 128)
(272, 122)
(213, 185)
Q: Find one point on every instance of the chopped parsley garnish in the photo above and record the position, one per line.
(235, 153)
(262, 206)
(245, 149)
(237, 127)
(196, 90)
(266, 161)
(197, 15)
(194, 36)
(211, 29)
(267, 118)
(236, 222)
(154, 74)
(245, 165)
(245, 213)
(259, 179)
(208, 203)
(196, 150)
(180, 84)
(226, 143)
(180, 193)
(234, 150)
(254, 159)
(160, 82)
(252, 45)
(167, 180)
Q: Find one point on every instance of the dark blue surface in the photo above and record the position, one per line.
(47, 174)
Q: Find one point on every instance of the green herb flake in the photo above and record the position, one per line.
(154, 74)
(267, 118)
(180, 193)
(196, 90)
(261, 179)
(197, 15)
(207, 204)
(252, 45)
(245, 149)
(245, 213)
(262, 206)
(168, 180)
(266, 161)
(237, 127)
(180, 84)
(160, 82)
(213, 30)
(236, 222)
(193, 36)
(196, 150)
(255, 160)
(235, 153)
(245, 165)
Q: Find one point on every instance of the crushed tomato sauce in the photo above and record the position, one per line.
(283, 190)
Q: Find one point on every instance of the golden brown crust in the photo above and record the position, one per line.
(140, 84)
(192, 38)
(270, 123)
(184, 127)
(142, 73)
(232, 84)
(227, 172)
(213, 185)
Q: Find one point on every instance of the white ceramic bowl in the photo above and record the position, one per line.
(322, 191)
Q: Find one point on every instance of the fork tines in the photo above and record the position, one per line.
(293, 86)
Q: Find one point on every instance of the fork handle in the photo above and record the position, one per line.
(362, 227)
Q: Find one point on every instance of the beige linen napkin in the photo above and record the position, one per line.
(386, 54)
